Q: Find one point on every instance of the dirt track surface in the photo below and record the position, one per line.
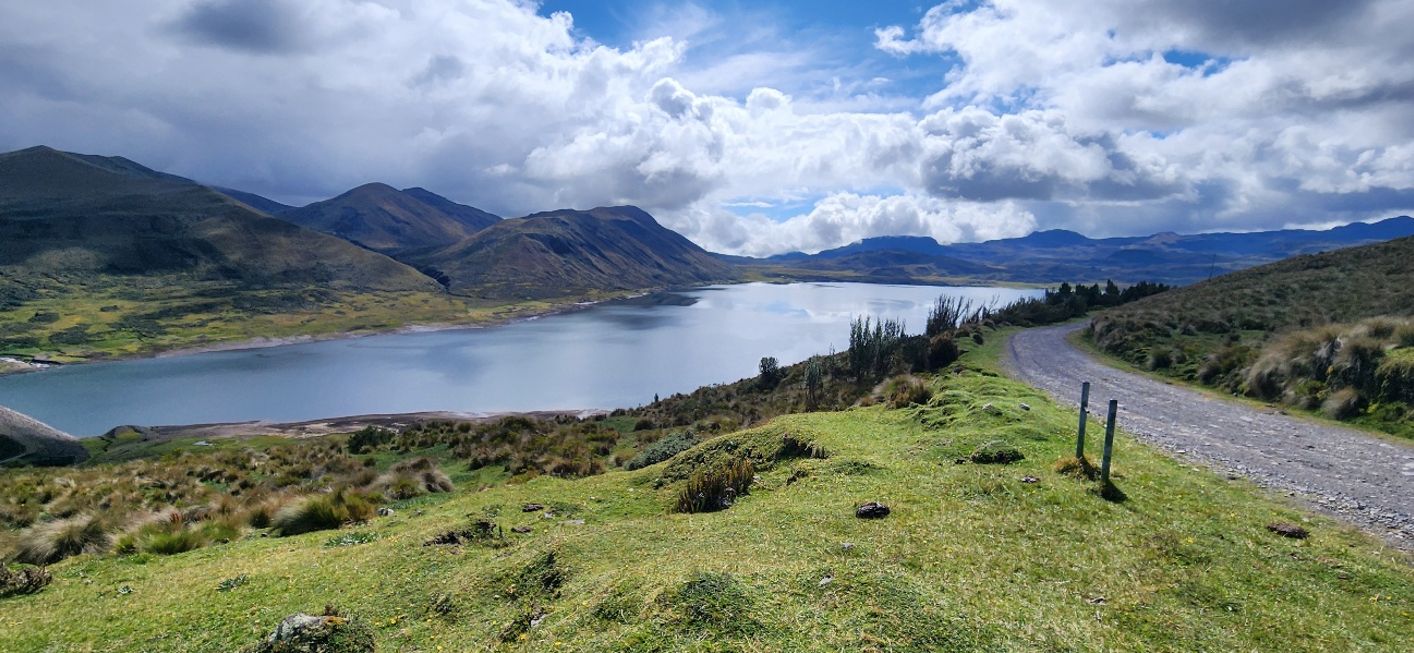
(1362, 479)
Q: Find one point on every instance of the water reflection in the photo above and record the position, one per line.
(606, 356)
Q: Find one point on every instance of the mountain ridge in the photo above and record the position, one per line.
(385, 219)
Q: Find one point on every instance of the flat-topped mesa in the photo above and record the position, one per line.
(28, 441)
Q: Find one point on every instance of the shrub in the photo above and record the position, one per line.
(51, 542)
(1077, 467)
(1395, 375)
(369, 437)
(1160, 358)
(942, 352)
(716, 488)
(323, 512)
(22, 580)
(771, 373)
(663, 449)
(412, 478)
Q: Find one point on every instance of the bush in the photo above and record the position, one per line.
(716, 488)
(771, 373)
(369, 437)
(942, 352)
(323, 512)
(51, 542)
(663, 449)
(22, 580)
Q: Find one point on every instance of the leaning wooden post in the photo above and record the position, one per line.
(1109, 443)
(1084, 408)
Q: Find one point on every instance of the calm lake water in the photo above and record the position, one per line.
(606, 356)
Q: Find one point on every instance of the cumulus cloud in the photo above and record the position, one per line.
(1117, 117)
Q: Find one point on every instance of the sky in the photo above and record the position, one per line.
(751, 127)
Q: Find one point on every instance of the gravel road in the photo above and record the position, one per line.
(1351, 475)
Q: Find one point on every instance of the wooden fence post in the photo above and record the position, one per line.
(1109, 443)
(1084, 413)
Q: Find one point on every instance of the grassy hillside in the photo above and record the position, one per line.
(973, 557)
(608, 248)
(1286, 332)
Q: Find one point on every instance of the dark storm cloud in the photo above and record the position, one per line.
(259, 26)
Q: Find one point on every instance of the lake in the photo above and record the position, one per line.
(610, 355)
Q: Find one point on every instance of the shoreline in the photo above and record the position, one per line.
(11, 365)
(320, 427)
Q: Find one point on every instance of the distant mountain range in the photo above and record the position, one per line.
(1049, 256)
(74, 213)
(388, 220)
(569, 252)
(64, 212)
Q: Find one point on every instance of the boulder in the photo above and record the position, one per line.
(27, 441)
(1289, 530)
(872, 510)
(327, 633)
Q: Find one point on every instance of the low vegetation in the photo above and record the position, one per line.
(970, 557)
(1328, 332)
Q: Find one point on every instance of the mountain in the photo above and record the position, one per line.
(383, 218)
(263, 204)
(567, 252)
(68, 213)
(1046, 256)
(26, 441)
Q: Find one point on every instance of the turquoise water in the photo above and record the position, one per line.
(606, 356)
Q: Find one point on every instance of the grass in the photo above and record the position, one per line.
(971, 558)
(1264, 331)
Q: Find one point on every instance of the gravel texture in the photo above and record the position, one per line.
(1354, 476)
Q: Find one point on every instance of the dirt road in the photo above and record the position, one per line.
(1363, 479)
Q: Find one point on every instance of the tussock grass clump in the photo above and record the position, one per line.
(716, 488)
(996, 452)
(1081, 468)
(323, 512)
(50, 542)
(907, 390)
(483, 532)
(414, 478)
(22, 580)
(714, 601)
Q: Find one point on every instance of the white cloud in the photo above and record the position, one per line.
(1054, 115)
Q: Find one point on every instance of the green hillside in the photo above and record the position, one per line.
(607, 248)
(1327, 331)
(972, 557)
(389, 220)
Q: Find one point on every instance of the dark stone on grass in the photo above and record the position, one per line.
(1030, 479)
(531, 507)
(520, 529)
(872, 510)
(22, 580)
(328, 633)
(1289, 530)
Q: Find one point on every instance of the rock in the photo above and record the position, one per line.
(1289, 530)
(385, 512)
(826, 580)
(1030, 479)
(872, 510)
(1025, 406)
(575, 522)
(328, 633)
(520, 529)
(531, 507)
(847, 546)
(990, 409)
